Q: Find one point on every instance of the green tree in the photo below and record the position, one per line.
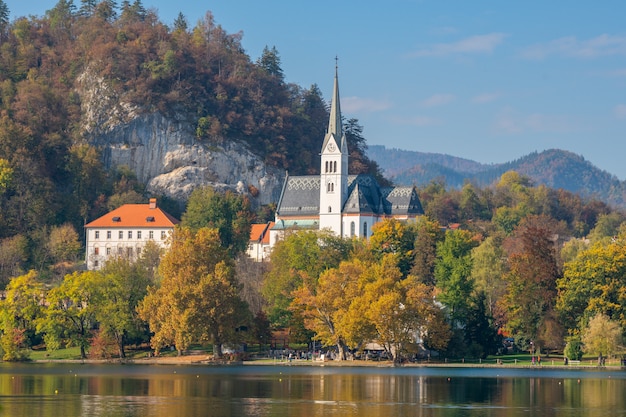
(6, 173)
(70, 313)
(488, 271)
(180, 23)
(87, 7)
(122, 286)
(4, 19)
(227, 212)
(270, 62)
(198, 297)
(453, 273)
(105, 10)
(607, 226)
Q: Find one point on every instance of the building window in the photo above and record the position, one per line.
(130, 234)
(326, 170)
(108, 251)
(129, 251)
(365, 229)
(121, 235)
(96, 250)
(162, 234)
(97, 234)
(352, 229)
(138, 234)
(108, 234)
(120, 251)
(95, 263)
(335, 166)
(151, 234)
(330, 209)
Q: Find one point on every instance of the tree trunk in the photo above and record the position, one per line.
(342, 350)
(217, 350)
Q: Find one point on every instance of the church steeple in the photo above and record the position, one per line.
(335, 126)
(334, 168)
(334, 123)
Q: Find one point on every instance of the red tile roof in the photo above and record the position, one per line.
(135, 215)
(260, 232)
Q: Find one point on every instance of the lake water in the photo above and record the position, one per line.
(39, 390)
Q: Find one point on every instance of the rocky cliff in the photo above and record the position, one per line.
(164, 152)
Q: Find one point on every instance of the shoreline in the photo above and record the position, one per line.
(207, 360)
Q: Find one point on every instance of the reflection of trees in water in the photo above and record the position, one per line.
(157, 391)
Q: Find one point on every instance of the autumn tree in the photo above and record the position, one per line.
(593, 284)
(299, 258)
(400, 310)
(428, 234)
(19, 313)
(63, 244)
(325, 306)
(531, 283)
(13, 257)
(602, 336)
(394, 237)
(198, 297)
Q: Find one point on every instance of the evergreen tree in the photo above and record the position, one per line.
(105, 10)
(87, 8)
(270, 62)
(180, 24)
(4, 19)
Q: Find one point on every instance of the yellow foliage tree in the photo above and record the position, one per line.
(198, 299)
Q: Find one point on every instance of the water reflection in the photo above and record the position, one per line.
(133, 390)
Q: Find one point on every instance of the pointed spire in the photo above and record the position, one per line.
(334, 123)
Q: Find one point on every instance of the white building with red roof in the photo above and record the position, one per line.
(125, 231)
(259, 245)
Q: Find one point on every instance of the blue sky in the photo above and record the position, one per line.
(490, 81)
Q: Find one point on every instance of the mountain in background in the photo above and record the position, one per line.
(554, 168)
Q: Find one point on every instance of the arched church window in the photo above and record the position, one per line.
(365, 229)
(326, 170)
(330, 209)
(352, 229)
(335, 166)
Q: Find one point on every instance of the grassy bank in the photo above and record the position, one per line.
(203, 355)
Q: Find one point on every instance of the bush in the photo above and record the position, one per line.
(573, 349)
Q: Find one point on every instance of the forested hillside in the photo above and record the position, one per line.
(554, 168)
(52, 173)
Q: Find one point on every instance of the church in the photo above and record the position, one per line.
(348, 205)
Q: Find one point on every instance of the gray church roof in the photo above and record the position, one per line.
(301, 197)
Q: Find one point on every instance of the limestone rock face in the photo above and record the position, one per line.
(164, 152)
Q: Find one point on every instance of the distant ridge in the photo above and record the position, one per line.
(554, 168)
